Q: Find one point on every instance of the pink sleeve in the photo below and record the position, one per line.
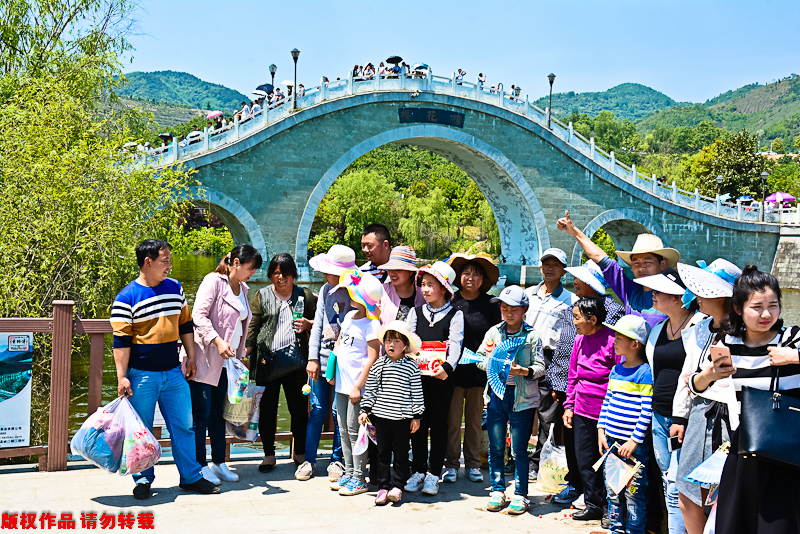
(572, 378)
(203, 328)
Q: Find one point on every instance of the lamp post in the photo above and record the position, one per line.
(295, 55)
(272, 69)
(550, 77)
(764, 176)
(719, 185)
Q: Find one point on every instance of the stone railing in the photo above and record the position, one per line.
(213, 140)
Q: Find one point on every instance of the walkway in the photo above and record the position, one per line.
(281, 504)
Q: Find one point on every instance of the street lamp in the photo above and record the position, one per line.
(719, 185)
(295, 55)
(550, 77)
(764, 176)
(272, 69)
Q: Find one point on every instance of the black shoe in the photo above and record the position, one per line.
(605, 523)
(265, 467)
(587, 515)
(142, 491)
(201, 486)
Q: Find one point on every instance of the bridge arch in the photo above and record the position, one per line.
(508, 193)
(241, 224)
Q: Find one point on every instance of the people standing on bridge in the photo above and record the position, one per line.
(332, 307)
(547, 302)
(244, 113)
(274, 335)
(460, 76)
(400, 293)
(256, 108)
(475, 276)
(148, 317)
(481, 79)
(376, 244)
(221, 317)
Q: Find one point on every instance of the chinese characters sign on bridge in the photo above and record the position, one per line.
(435, 116)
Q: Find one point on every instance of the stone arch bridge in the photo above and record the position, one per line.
(266, 176)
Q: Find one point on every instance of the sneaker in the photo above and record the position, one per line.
(579, 502)
(567, 496)
(497, 501)
(339, 483)
(431, 485)
(209, 475)
(508, 469)
(395, 494)
(519, 505)
(383, 498)
(415, 482)
(605, 523)
(201, 486)
(449, 475)
(533, 476)
(223, 473)
(353, 487)
(335, 471)
(142, 491)
(305, 471)
(475, 474)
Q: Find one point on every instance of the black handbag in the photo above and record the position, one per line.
(275, 364)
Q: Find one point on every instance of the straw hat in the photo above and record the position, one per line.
(651, 244)
(364, 289)
(457, 262)
(710, 281)
(337, 260)
(402, 258)
(402, 327)
(590, 274)
(442, 272)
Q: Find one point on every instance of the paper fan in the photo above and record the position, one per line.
(618, 472)
(499, 364)
(710, 471)
(470, 357)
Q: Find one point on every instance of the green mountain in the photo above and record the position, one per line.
(181, 88)
(627, 101)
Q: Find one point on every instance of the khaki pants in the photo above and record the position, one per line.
(467, 403)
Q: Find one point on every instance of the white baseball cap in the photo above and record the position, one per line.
(556, 253)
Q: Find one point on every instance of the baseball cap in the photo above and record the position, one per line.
(556, 253)
(632, 326)
(513, 296)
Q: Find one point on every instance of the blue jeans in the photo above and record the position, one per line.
(321, 402)
(633, 498)
(499, 414)
(171, 390)
(208, 405)
(661, 426)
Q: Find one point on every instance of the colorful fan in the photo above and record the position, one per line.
(618, 472)
(713, 493)
(710, 471)
(499, 364)
(470, 357)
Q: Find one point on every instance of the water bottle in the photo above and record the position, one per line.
(299, 308)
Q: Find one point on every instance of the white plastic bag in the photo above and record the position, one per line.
(238, 378)
(245, 427)
(362, 442)
(552, 466)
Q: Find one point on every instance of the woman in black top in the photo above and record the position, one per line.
(475, 276)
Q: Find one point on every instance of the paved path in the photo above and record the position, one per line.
(270, 503)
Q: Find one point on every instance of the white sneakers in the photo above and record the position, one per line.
(415, 482)
(449, 475)
(209, 475)
(431, 485)
(221, 472)
(475, 475)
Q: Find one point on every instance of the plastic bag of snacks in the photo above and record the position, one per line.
(552, 466)
(246, 429)
(238, 378)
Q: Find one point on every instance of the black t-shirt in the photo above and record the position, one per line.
(479, 315)
(668, 357)
(405, 306)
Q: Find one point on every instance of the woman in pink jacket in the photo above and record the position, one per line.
(221, 315)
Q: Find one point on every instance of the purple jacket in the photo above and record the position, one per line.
(637, 301)
(591, 362)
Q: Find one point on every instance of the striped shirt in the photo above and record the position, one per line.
(150, 321)
(370, 268)
(752, 363)
(394, 390)
(628, 405)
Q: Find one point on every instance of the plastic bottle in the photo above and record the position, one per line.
(299, 308)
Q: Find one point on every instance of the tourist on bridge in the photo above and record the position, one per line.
(376, 244)
(148, 316)
(221, 316)
(400, 293)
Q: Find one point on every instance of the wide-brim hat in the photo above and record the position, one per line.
(668, 282)
(364, 289)
(651, 244)
(442, 272)
(401, 327)
(710, 281)
(590, 274)
(402, 258)
(337, 260)
(457, 262)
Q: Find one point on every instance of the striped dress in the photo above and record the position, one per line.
(394, 390)
(628, 405)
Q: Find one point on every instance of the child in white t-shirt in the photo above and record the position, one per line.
(356, 350)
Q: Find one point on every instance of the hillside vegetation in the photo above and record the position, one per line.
(626, 101)
(181, 88)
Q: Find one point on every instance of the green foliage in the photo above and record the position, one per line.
(777, 146)
(181, 88)
(610, 134)
(628, 100)
(207, 241)
(735, 160)
(427, 223)
(603, 240)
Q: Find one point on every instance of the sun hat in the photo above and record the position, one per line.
(337, 260)
(364, 289)
(457, 262)
(668, 282)
(401, 327)
(402, 258)
(556, 253)
(632, 326)
(651, 244)
(710, 281)
(513, 296)
(442, 272)
(590, 274)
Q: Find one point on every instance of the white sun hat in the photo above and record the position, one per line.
(668, 282)
(337, 260)
(401, 327)
(590, 274)
(710, 281)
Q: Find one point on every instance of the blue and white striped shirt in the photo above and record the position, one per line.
(628, 405)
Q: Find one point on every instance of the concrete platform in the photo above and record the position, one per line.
(273, 502)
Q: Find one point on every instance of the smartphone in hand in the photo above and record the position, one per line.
(673, 444)
(721, 356)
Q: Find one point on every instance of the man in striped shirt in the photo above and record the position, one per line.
(148, 317)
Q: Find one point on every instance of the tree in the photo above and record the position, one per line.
(797, 142)
(428, 222)
(777, 146)
(734, 158)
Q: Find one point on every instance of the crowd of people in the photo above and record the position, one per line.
(649, 384)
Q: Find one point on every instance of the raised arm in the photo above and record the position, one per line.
(592, 250)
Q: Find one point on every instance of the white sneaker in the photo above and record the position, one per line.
(449, 475)
(415, 482)
(335, 471)
(579, 502)
(475, 474)
(209, 475)
(431, 486)
(305, 471)
(223, 473)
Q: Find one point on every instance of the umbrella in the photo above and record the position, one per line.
(214, 114)
(165, 135)
(194, 133)
(259, 92)
(780, 197)
(394, 60)
(287, 83)
(266, 87)
(744, 198)
(420, 66)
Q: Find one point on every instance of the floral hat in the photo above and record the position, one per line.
(337, 260)
(364, 289)
(442, 272)
(710, 281)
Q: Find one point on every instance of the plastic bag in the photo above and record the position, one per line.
(238, 378)
(248, 428)
(362, 442)
(240, 412)
(552, 466)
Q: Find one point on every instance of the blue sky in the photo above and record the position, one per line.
(689, 50)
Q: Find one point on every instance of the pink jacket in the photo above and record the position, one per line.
(390, 303)
(215, 314)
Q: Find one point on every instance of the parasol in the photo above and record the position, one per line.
(214, 114)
